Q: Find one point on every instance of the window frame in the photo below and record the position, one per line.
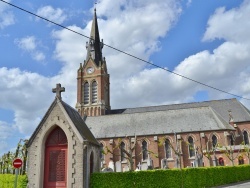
(191, 151)
(86, 90)
(168, 150)
(144, 148)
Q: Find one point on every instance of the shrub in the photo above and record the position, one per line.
(7, 181)
(188, 178)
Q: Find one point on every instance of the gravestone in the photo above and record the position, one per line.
(164, 164)
(150, 164)
(126, 168)
(111, 165)
(144, 166)
(118, 166)
(107, 170)
(139, 166)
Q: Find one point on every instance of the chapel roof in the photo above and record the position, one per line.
(74, 117)
(79, 123)
(166, 119)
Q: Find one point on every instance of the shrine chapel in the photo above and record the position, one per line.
(62, 152)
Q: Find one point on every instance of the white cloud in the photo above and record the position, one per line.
(232, 25)
(129, 28)
(6, 16)
(56, 15)
(138, 39)
(27, 43)
(30, 44)
(23, 92)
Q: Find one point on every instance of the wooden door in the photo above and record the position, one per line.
(55, 164)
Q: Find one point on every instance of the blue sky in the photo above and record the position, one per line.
(208, 41)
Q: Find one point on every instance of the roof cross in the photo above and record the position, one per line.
(58, 91)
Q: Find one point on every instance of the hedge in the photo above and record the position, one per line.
(7, 181)
(175, 178)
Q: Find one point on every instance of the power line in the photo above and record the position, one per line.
(140, 59)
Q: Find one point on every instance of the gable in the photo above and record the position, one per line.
(61, 110)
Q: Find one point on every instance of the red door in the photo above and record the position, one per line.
(55, 164)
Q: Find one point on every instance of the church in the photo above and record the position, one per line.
(69, 144)
(168, 136)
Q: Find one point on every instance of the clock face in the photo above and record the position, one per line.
(90, 70)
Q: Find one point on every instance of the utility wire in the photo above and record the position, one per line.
(135, 57)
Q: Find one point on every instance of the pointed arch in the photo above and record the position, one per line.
(245, 137)
(168, 150)
(191, 147)
(144, 150)
(122, 148)
(55, 163)
(214, 141)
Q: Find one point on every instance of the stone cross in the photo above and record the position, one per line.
(58, 91)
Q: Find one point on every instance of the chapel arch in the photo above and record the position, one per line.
(55, 161)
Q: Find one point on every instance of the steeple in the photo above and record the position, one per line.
(94, 46)
(93, 91)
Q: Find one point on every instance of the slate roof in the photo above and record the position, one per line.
(79, 123)
(189, 117)
(74, 116)
(240, 112)
(95, 38)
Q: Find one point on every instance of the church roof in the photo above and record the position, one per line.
(166, 119)
(239, 112)
(73, 116)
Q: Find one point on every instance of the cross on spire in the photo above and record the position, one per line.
(58, 90)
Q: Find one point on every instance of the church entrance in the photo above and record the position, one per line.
(55, 164)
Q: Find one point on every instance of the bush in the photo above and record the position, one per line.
(7, 181)
(175, 178)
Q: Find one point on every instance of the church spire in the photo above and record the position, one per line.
(94, 46)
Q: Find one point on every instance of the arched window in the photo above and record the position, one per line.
(101, 152)
(214, 141)
(122, 146)
(94, 92)
(245, 137)
(144, 150)
(86, 93)
(240, 160)
(191, 147)
(168, 149)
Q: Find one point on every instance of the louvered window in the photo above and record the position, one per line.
(86, 92)
(94, 92)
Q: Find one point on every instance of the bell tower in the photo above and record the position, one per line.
(93, 92)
